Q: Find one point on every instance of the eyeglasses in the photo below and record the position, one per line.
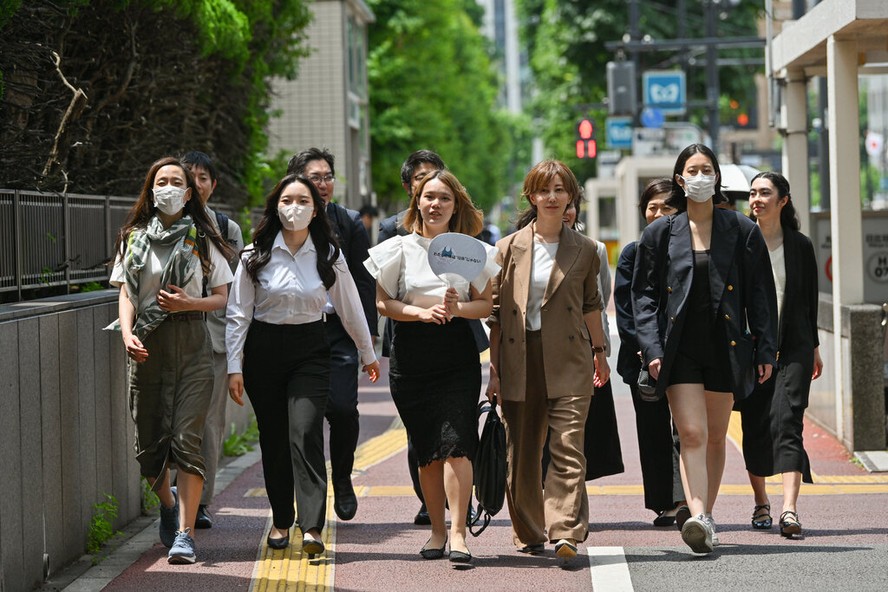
(317, 179)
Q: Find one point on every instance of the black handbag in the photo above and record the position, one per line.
(489, 467)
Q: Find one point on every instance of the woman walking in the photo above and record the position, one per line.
(278, 350)
(772, 417)
(435, 368)
(701, 278)
(657, 439)
(171, 268)
(547, 349)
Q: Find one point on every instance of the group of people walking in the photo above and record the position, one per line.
(700, 315)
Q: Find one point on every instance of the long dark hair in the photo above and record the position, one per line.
(143, 210)
(789, 218)
(678, 199)
(538, 178)
(318, 229)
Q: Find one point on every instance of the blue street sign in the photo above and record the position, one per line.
(652, 117)
(665, 90)
(618, 133)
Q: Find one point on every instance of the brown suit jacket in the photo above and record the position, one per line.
(572, 292)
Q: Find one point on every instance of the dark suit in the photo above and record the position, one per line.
(342, 406)
(657, 440)
(741, 290)
(772, 417)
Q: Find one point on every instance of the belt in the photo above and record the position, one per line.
(190, 315)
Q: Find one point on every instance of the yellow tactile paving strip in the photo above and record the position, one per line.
(290, 570)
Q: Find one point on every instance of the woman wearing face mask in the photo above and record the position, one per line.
(435, 370)
(657, 439)
(278, 351)
(773, 415)
(171, 268)
(701, 277)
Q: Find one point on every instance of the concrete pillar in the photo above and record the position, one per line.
(794, 120)
(845, 211)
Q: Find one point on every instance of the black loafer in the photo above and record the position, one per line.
(345, 502)
(281, 543)
(203, 519)
(535, 549)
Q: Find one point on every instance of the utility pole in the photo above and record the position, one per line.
(712, 87)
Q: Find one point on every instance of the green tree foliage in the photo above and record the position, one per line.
(566, 44)
(95, 90)
(432, 86)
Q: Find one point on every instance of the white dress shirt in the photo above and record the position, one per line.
(540, 273)
(289, 291)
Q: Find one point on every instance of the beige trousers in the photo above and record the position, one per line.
(561, 510)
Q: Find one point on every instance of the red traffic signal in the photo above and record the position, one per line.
(586, 146)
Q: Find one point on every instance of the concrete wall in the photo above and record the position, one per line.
(66, 433)
(856, 415)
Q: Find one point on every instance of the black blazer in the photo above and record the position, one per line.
(741, 286)
(354, 242)
(628, 362)
(797, 334)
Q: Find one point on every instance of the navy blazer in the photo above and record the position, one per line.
(628, 362)
(741, 287)
(354, 243)
(797, 333)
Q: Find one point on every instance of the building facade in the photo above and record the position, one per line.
(327, 105)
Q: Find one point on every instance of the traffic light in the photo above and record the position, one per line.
(586, 146)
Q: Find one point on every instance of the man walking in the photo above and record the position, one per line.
(204, 171)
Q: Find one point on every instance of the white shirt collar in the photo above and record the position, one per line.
(307, 247)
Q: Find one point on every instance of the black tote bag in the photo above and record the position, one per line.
(489, 467)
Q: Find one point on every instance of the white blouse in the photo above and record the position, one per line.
(778, 268)
(401, 268)
(289, 291)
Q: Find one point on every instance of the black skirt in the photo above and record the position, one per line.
(435, 379)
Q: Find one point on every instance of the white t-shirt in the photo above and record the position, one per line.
(401, 268)
(540, 272)
(158, 255)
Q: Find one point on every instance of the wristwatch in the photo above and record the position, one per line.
(599, 349)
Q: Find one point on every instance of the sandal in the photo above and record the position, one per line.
(789, 524)
(761, 517)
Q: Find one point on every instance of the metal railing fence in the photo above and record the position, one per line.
(51, 239)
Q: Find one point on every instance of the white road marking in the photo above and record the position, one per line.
(609, 570)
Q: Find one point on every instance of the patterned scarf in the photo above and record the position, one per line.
(178, 271)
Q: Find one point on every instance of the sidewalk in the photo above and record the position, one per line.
(378, 550)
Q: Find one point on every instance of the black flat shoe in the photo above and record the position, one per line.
(311, 547)
(422, 517)
(433, 553)
(664, 519)
(281, 543)
(682, 515)
(789, 524)
(460, 557)
(203, 519)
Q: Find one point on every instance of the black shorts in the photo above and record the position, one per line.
(714, 373)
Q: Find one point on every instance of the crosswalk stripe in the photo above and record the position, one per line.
(609, 570)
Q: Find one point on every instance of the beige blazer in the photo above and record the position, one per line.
(572, 292)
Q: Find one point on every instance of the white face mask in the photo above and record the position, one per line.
(699, 188)
(169, 199)
(295, 216)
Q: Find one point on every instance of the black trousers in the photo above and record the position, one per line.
(658, 448)
(287, 378)
(342, 406)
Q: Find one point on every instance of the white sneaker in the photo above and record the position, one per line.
(697, 534)
(711, 522)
